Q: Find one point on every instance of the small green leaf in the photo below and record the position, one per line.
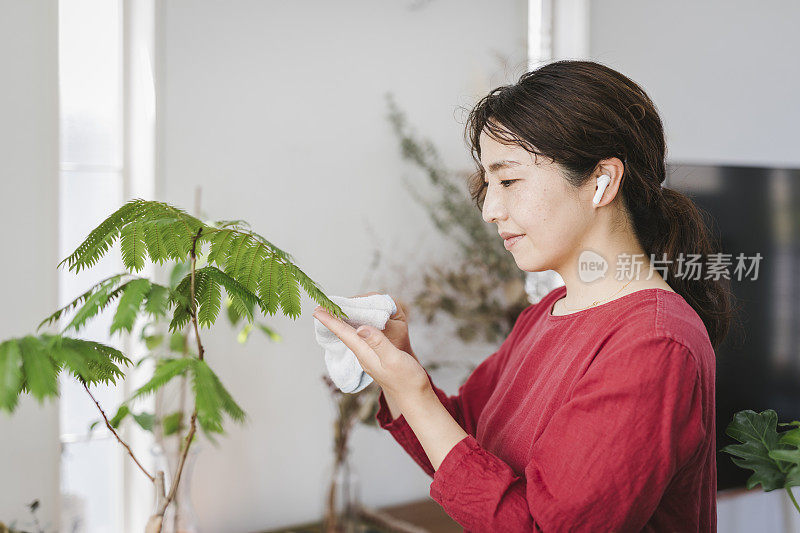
(244, 333)
(271, 333)
(172, 423)
(153, 341)
(233, 316)
(117, 419)
(145, 420)
(177, 341)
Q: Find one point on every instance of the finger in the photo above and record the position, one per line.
(379, 343)
(401, 313)
(347, 333)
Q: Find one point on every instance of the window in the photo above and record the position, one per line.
(106, 120)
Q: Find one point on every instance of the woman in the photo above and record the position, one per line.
(597, 412)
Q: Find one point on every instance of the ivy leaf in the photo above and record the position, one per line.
(757, 433)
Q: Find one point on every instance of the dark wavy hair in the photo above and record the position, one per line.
(580, 112)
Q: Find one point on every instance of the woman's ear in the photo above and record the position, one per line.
(615, 170)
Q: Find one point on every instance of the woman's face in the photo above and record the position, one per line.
(529, 197)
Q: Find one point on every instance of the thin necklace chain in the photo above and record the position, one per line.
(597, 301)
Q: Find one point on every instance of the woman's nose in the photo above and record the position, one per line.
(492, 207)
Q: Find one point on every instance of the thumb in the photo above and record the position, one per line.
(375, 338)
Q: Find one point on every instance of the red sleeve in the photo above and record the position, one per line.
(465, 407)
(603, 461)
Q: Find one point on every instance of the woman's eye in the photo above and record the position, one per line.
(503, 182)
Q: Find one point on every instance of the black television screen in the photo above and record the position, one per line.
(753, 211)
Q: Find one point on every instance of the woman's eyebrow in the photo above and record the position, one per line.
(498, 165)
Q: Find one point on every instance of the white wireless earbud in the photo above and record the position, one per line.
(602, 183)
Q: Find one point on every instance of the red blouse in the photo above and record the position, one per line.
(600, 420)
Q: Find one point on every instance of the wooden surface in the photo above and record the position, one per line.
(424, 514)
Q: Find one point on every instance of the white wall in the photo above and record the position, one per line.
(725, 77)
(277, 110)
(29, 444)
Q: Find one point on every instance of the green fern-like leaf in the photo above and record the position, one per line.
(90, 361)
(157, 229)
(106, 286)
(129, 305)
(101, 238)
(133, 246)
(94, 304)
(315, 293)
(154, 241)
(236, 253)
(166, 369)
(287, 257)
(290, 293)
(242, 299)
(157, 300)
(38, 367)
(11, 375)
(250, 267)
(209, 301)
(269, 284)
(181, 298)
(220, 240)
(212, 399)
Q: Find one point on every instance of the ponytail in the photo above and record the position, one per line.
(679, 233)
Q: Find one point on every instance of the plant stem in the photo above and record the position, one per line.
(789, 490)
(108, 425)
(193, 425)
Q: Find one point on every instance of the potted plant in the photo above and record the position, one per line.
(774, 457)
(256, 275)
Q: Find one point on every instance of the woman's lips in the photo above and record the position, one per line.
(508, 243)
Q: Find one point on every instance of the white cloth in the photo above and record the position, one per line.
(343, 367)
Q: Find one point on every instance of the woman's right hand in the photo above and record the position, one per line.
(396, 329)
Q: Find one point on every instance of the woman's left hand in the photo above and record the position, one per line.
(397, 372)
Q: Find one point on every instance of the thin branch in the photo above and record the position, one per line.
(174, 488)
(193, 425)
(108, 425)
(200, 350)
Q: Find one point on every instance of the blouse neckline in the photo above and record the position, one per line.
(606, 305)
